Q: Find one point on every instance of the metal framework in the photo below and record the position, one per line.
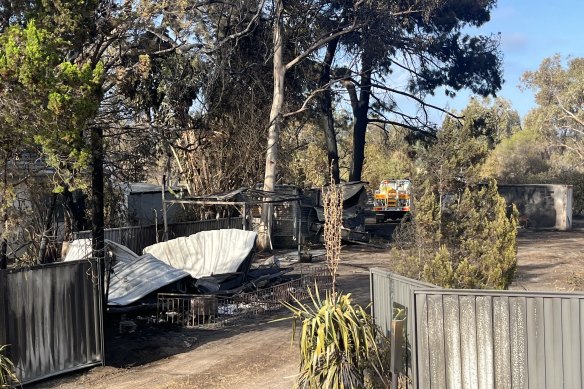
(195, 310)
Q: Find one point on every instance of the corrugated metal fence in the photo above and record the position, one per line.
(50, 317)
(492, 339)
(138, 237)
(391, 291)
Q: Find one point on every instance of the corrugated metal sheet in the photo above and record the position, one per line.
(51, 318)
(206, 253)
(492, 339)
(390, 291)
(133, 276)
(485, 339)
(130, 281)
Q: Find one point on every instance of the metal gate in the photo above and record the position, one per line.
(51, 318)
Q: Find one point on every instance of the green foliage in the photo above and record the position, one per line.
(306, 163)
(455, 159)
(461, 235)
(337, 343)
(559, 91)
(491, 119)
(517, 158)
(481, 239)
(558, 121)
(386, 156)
(7, 376)
(469, 243)
(58, 97)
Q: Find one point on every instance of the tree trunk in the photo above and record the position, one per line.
(97, 194)
(47, 229)
(360, 114)
(3, 254)
(67, 220)
(326, 102)
(265, 230)
(4, 245)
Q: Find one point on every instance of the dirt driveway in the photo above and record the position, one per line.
(259, 354)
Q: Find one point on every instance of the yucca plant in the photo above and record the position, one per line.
(337, 337)
(337, 343)
(7, 376)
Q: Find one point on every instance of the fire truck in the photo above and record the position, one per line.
(393, 200)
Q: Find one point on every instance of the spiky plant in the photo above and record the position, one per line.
(7, 376)
(337, 343)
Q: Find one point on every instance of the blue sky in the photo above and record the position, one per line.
(530, 31)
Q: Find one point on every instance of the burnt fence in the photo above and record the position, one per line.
(190, 310)
(136, 238)
(50, 318)
(489, 339)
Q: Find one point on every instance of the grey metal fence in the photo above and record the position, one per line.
(138, 237)
(188, 228)
(491, 339)
(391, 291)
(485, 339)
(50, 317)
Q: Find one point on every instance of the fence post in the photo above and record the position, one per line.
(397, 345)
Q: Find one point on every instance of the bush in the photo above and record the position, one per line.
(7, 376)
(337, 344)
(468, 243)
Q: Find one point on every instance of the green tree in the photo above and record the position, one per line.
(387, 155)
(519, 159)
(494, 119)
(558, 119)
(559, 114)
(466, 244)
(56, 99)
(461, 235)
(424, 42)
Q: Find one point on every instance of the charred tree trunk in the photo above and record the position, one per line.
(3, 254)
(360, 114)
(97, 194)
(47, 229)
(326, 107)
(4, 246)
(265, 230)
(69, 217)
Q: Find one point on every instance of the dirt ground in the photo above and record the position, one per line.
(259, 354)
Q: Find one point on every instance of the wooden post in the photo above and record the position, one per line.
(397, 346)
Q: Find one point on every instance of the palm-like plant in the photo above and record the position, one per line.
(7, 376)
(337, 343)
(337, 338)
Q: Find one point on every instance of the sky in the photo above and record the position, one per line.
(530, 31)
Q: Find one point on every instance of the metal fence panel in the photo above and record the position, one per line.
(188, 228)
(389, 291)
(51, 318)
(498, 339)
(136, 238)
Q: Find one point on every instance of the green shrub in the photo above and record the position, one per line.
(337, 344)
(7, 376)
(467, 243)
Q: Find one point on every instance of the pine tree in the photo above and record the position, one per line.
(461, 234)
(477, 242)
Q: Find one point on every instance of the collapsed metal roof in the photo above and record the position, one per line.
(133, 276)
(199, 255)
(206, 253)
